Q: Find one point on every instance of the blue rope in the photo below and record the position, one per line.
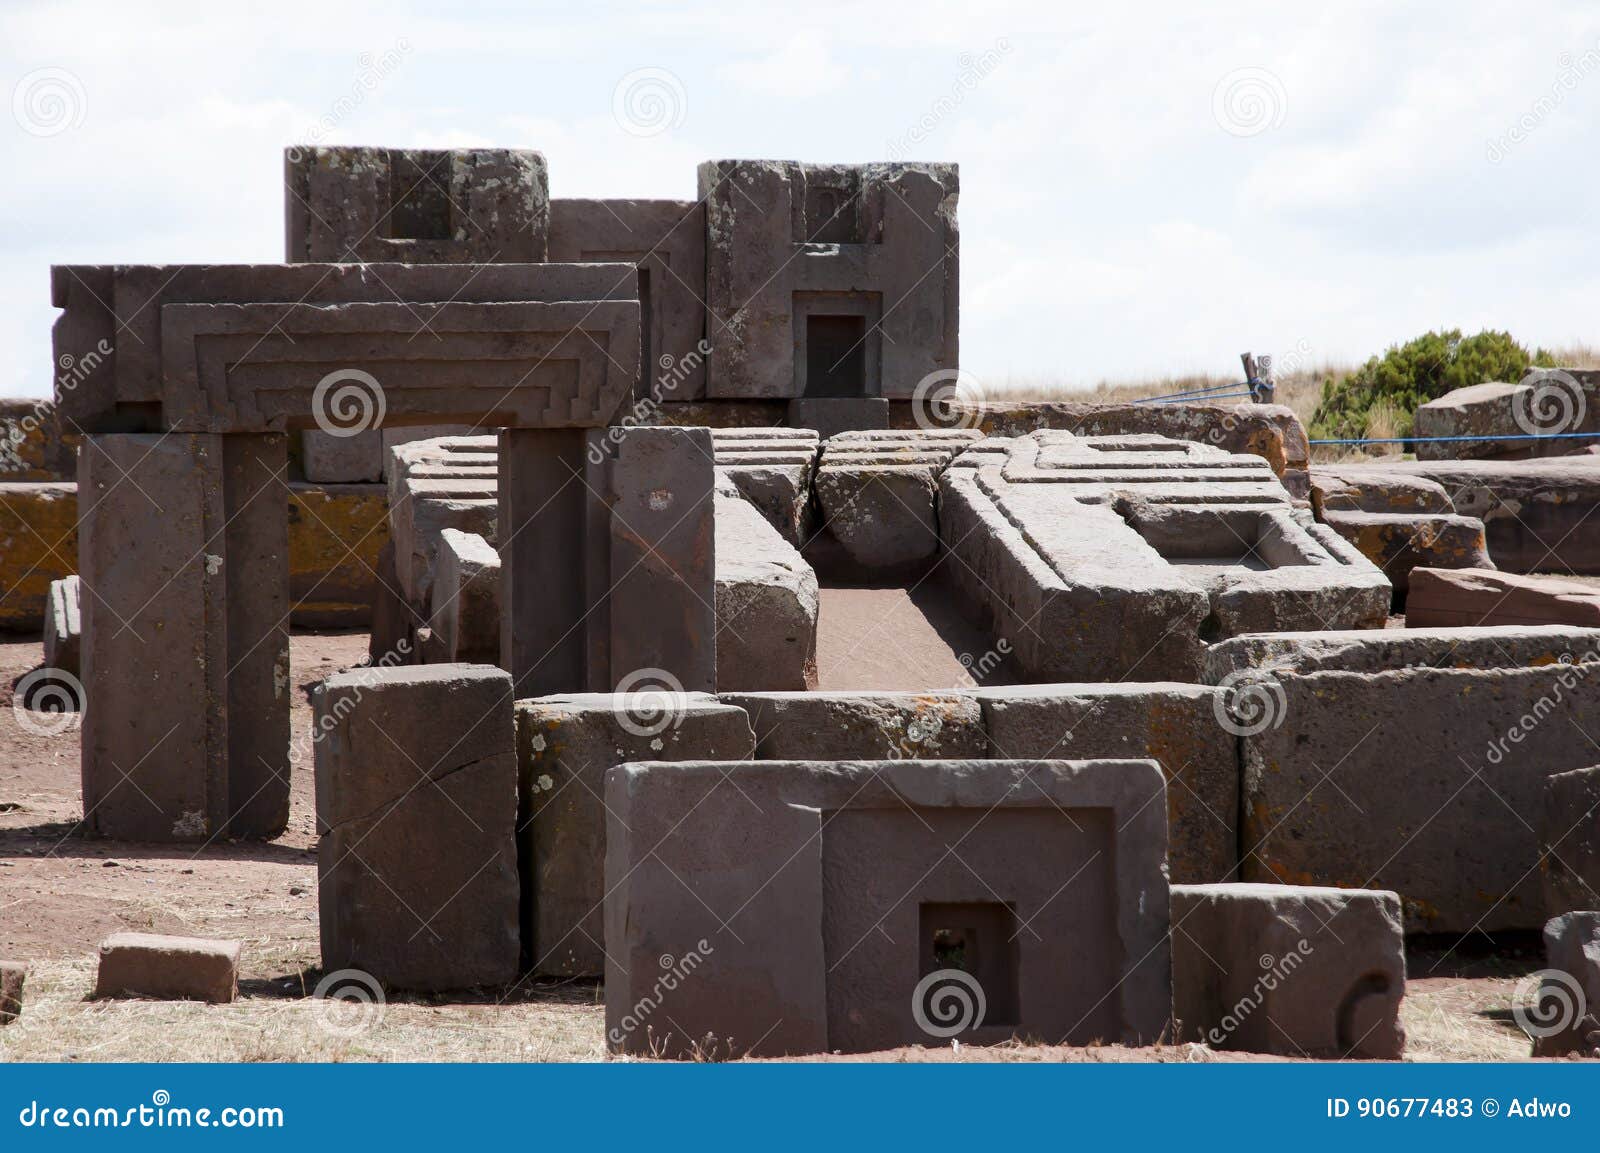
(1438, 439)
(1210, 391)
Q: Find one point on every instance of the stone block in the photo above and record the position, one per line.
(1409, 780)
(1387, 650)
(63, 626)
(336, 533)
(183, 553)
(168, 968)
(1400, 542)
(1291, 969)
(1542, 403)
(416, 805)
(836, 726)
(1478, 597)
(1375, 488)
(415, 206)
(1534, 512)
(329, 459)
(813, 907)
(830, 415)
(767, 603)
(1569, 841)
(38, 546)
(1176, 725)
(1565, 1020)
(829, 280)
(772, 468)
(32, 445)
(421, 509)
(12, 978)
(565, 744)
(466, 599)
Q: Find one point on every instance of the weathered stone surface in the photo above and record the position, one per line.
(879, 494)
(1542, 403)
(1470, 597)
(1566, 1019)
(63, 626)
(329, 459)
(416, 805)
(12, 978)
(1569, 841)
(812, 907)
(830, 415)
(565, 744)
(394, 621)
(466, 599)
(832, 726)
(1175, 725)
(767, 603)
(1386, 650)
(415, 206)
(772, 469)
(666, 239)
(336, 533)
(1270, 431)
(1117, 558)
(528, 345)
(38, 545)
(32, 445)
(1408, 780)
(829, 280)
(422, 505)
(168, 968)
(1534, 512)
(1400, 542)
(1375, 488)
(1291, 969)
(183, 552)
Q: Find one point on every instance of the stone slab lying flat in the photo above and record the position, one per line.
(1569, 841)
(1381, 650)
(829, 726)
(811, 907)
(1176, 725)
(12, 978)
(168, 968)
(1291, 969)
(416, 779)
(767, 603)
(565, 744)
(1475, 597)
(1571, 988)
(1373, 488)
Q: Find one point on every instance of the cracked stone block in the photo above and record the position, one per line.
(1569, 841)
(1375, 488)
(1479, 597)
(1400, 542)
(416, 805)
(767, 603)
(1566, 1016)
(565, 744)
(1291, 969)
(828, 726)
(772, 469)
(168, 968)
(805, 907)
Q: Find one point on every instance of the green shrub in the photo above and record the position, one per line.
(1420, 370)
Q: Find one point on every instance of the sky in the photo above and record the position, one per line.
(1146, 189)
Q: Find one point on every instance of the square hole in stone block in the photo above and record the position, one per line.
(836, 355)
(978, 938)
(419, 196)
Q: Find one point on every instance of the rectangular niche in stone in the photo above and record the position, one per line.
(812, 906)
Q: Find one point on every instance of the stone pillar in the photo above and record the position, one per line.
(183, 558)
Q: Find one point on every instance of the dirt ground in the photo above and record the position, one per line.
(60, 893)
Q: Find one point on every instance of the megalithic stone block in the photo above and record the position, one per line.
(183, 555)
(63, 626)
(417, 809)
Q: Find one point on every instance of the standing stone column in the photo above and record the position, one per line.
(183, 559)
(608, 559)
